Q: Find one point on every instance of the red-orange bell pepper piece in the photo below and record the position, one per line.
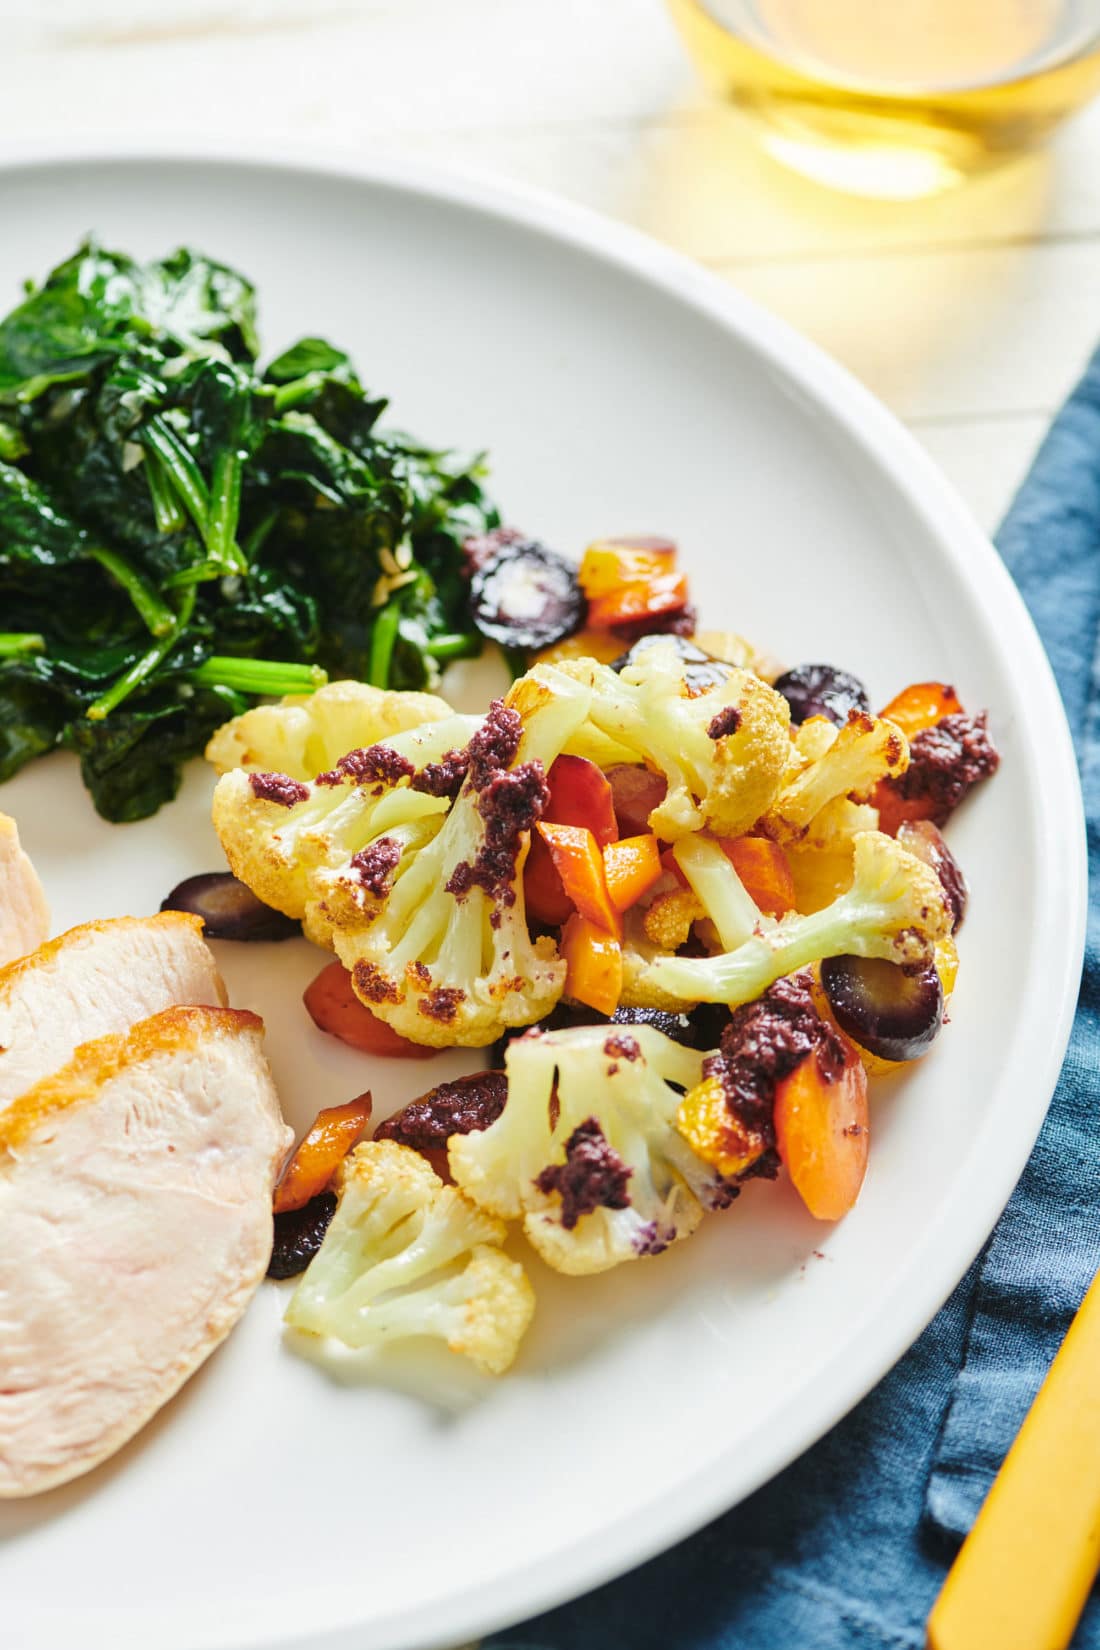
(764, 870)
(594, 960)
(635, 792)
(579, 863)
(894, 810)
(320, 1154)
(334, 1007)
(609, 563)
(580, 794)
(654, 544)
(821, 1131)
(921, 705)
(631, 866)
(640, 599)
(628, 581)
(543, 894)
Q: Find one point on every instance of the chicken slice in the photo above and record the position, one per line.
(93, 981)
(24, 914)
(135, 1203)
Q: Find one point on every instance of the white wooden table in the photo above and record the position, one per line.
(970, 315)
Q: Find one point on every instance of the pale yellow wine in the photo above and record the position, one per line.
(898, 97)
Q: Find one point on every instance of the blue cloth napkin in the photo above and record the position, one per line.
(847, 1549)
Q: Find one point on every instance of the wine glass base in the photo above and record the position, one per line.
(884, 171)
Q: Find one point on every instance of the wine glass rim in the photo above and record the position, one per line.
(748, 27)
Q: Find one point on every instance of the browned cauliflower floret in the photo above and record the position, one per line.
(405, 1256)
(326, 851)
(448, 958)
(667, 920)
(724, 752)
(306, 733)
(828, 764)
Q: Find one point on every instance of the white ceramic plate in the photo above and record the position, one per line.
(618, 389)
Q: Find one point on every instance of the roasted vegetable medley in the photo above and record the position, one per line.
(691, 903)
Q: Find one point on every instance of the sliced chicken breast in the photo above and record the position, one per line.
(94, 981)
(24, 914)
(135, 1206)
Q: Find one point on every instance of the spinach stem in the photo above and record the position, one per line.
(456, 646)
(199, 572)
(16, 642)
(253, 544)
(180, 469)
(259, 675)
(516, 660)
(125, 684)
(225, 509)
(156, 615)
(166, 506)
(383, 638)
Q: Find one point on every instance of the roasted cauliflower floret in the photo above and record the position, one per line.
(325, 851)
(724, 752)
(832, 763)
(821, 861)
(306, 733)
(448, 958)
(668, 918)
(405, 1256)
(602, 1176)
(894, 909)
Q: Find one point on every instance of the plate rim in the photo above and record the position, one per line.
(631, 1539)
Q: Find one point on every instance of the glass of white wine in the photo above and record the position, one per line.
(898, 98)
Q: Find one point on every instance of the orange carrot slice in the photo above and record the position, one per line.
(821, 1130)
(334, 1007)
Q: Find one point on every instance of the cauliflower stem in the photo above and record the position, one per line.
(894, 909)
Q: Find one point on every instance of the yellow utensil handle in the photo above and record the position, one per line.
(1022, 1577)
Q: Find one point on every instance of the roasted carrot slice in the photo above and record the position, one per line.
(334, 1007)
(764, 870)
(922, 705)
(579, 863)
(631, 866)
(821, 1131)
(594, 961)
(320, 1154)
